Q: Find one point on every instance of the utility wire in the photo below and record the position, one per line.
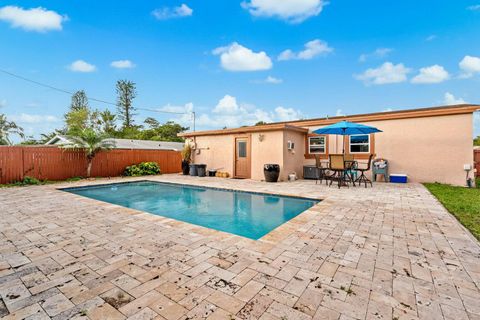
(71, 93)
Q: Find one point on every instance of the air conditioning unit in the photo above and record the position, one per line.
(290, 145)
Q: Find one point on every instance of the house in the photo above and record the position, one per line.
(429, 144)
(127, 143)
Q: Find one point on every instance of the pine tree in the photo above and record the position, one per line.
(79, 101)
(126, 92)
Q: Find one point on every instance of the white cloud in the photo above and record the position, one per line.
(35, 124)
(470, 66)
(188, 108)
(286, 114)
(175, 12)
(227, 105)
(312, 49)
(294, 11)
(82, 66)
(3, 103)
(475, 7)
(269, 80)
(236, 57)
(184, 117)
(122, 64)
(35, 19)
(339, 113)
(34, 118)
(378, 53)
(385, 74)
(273, 80)
(432, 74)
(286, 55)
(228, 112)
(431, 37)
(450, 99)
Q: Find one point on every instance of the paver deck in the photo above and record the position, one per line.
(388, 252)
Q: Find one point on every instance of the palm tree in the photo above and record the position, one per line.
(91, 142)
(107, 122)
(7, 128)
(45, 137)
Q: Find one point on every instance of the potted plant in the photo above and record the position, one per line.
(271, 172)
(186, 158)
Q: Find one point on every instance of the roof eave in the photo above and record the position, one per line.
(242, 130)
(378, 116)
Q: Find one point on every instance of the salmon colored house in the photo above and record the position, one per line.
(429, 144)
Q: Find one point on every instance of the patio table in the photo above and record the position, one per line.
(348, 173)
(343, 174)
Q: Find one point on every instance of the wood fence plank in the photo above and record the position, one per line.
(51, 163)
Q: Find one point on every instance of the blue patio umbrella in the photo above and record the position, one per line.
(346, 128)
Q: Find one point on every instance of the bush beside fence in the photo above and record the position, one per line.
(53, 163)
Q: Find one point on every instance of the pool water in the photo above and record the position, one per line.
(251, 215)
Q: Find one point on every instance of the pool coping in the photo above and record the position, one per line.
(276, 235)
(194, 186)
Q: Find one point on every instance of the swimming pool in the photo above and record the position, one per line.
(247, 214)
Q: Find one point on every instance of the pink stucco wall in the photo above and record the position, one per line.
(428, 149)
(218, 152)
(269, 150)
(431, 149)
(293, 160)
(215, 151)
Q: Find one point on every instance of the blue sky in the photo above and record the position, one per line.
(237, 62)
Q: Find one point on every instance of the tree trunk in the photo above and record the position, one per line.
(89, 167)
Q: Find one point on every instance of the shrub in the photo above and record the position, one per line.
(73, 179)
(27, 181)
(187, 152)
(142, 169)
(30, 180)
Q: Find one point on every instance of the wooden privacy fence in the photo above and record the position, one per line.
(53, 163)
(476, 158)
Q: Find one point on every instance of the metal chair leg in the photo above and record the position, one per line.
(363, 179)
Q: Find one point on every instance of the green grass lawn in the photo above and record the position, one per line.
(463, 203)
(29, 181)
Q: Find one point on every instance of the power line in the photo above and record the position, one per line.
(89, 98)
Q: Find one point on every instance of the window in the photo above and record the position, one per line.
(317, 145)
(242, 149)
(360, 143)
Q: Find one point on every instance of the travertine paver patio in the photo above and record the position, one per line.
(391, 252)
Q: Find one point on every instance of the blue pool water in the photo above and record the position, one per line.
(246, 214)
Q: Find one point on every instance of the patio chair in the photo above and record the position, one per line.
(321, 171)
(337, 165)
(363, 168)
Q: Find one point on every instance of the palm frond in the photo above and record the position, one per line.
(7, 128)
(89, 141)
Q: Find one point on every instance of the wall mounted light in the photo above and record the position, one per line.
(261, 137)
(290, 145)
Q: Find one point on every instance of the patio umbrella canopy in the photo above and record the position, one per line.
(346, 128)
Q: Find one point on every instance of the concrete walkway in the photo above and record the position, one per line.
(387, 252)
